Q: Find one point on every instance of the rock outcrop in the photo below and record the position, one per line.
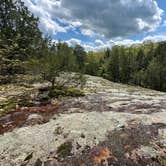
(113, 124)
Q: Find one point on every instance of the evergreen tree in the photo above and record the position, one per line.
(80, 55)
(18, 28)
(153, 75)
(113, 65)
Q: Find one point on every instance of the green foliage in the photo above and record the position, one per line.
(10, 67)
(18, 27)
(153, 75)
(19, 38)
(10, 106)
(56, 93)
(80, 56)
(143, 65)
(164, 162)
(92, 64)
(113, 65)
(59, 58)
(7, 104)
(2, 111)
(73, 92)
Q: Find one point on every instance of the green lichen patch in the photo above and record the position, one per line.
(7, 104)
(64, 150)
(2, 111)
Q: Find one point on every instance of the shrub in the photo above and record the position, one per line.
(65, 92)
(74, 92)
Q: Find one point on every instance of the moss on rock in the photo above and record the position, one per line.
(64, 150)
(7, 104)
(10, 106)
(73, 92)
(2, 112)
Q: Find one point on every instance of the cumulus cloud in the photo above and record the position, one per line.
(47, 24)
(87, 32)
(99, 42)
(115, 17)
(73, 41)
(111, 18)
(155, 38)
(101, 45)
(164, 23)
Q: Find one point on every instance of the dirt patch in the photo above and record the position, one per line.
(18, 117)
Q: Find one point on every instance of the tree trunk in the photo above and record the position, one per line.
(53, 83)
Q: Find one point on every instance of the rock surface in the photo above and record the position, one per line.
(113, 124)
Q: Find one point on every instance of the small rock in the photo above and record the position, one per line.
(74, 110)
(82, 135)
(34, 119)
(35, 116)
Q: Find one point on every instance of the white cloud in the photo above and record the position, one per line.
(87, 32)
(47, 24)
(155, 38)
(164, 23)
(112, 18)
(100, 45)
(73, 41)
(99, 42)
(76, 23)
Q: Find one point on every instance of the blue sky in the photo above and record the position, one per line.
(97, 24)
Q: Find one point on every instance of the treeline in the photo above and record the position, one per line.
(24, 49)
(143, 65)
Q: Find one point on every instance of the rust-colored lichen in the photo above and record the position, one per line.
(101, 154)
(122, 147)
(18, 117)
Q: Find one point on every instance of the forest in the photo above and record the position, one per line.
(24, 49)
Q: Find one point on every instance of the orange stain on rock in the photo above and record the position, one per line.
(101, 155)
